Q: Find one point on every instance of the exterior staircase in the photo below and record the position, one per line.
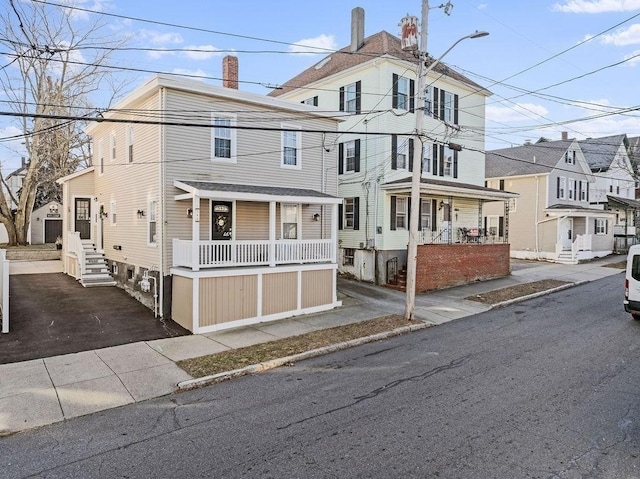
(566, 257)
(96, 272)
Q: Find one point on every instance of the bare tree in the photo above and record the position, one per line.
(55, 63)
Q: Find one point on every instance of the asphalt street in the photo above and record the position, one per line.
(548, 388)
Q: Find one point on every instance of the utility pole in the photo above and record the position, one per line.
(423, 70)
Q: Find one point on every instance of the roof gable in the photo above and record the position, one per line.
(600, 152)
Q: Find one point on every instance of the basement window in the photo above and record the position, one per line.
(130, 274)
(349, 254)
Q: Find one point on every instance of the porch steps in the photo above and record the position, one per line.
(95, 265)
(401, 281)
(566, 257)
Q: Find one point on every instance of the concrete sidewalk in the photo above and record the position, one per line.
(43, 391)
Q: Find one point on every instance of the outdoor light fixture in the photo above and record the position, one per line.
(140, 213)
(316, 217)
(190, 213)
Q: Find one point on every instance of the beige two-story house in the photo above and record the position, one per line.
(373, 84)
(553, 218)
(212, 206)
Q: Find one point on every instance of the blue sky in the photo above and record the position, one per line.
(586, 100)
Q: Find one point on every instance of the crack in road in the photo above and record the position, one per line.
(456, 363)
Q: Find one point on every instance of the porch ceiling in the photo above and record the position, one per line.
(223, 191)
(449, 188)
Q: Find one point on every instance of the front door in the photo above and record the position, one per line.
(445, 223)
(221, 220)
(83, 217)
(566, 233)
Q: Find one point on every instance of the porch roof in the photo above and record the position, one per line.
(577, 209)
(450, 188)
(225, 191)
(626, 203)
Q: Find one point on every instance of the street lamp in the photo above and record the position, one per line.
(412, 248)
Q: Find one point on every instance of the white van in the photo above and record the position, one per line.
(632, 283)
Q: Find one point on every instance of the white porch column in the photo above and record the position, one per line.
(272, 233)
(195, 233)
(334, 233)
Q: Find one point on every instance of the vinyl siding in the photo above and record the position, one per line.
(182, 301)
(279, 293)
(317, 288)
(227, 299)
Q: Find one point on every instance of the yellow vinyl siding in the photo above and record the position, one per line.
(227, 299)
(317, 288)
(280, 291)
(182, 301)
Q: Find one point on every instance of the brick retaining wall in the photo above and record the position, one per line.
(442, 266)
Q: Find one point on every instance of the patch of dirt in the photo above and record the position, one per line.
(618, 265)
(239, 358)
(517, 291)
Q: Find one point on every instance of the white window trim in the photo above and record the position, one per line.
(427, 154)
(347, 100)
(601, 223)
(298, 220)
(129, 145)
(426, 213)
(403, 147)
(112, 146)
(234, 138)
(113, 213)
(406, 94)
(563, 188)
(345, 159)
(353, 214)
(448, 107)
(150, 208)
(404, 213)
(298, 165)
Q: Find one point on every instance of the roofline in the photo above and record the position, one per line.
(234, 195)
(517, 176)
(193, 86)
(462, 192)
(75, 175)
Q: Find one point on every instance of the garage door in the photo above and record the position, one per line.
(52, 229)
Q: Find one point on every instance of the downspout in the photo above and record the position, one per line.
(162, 174)
(323, 186)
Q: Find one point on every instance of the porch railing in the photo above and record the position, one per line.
(75, 246)
(217, 254)
(461, 235)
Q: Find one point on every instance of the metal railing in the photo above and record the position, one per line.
(462, 235)
(392, 271)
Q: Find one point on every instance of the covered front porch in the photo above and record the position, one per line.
(259, 254)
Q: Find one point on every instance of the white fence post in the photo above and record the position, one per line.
(4, 287)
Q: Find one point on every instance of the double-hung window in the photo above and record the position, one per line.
(403, 93)
(601, 226)
(112, 145)
(291, 148)
(425, 215)
(428, 101)
(152, 222)
(223, 139)
(583, 190)
(402, 154)
(427, 157)
(401, 212)
(448, 107)
(130, 144)
(349, 213)
(112, 208)
(561, 187)
(350, 97)
(350, 156)
(448, 161)
(101, 156)
(289, 214)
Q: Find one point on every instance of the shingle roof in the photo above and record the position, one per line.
(447, 184)
(526, 159)
(381, 44)
(600, 152)
(635, 204)
(262, 190)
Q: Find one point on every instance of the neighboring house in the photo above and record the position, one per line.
(14, 182)
(634, 158)
(614, 189)
(225, 210)
(553, 218)
(46, 224)
(373, 82)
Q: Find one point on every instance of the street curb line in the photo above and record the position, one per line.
(538, 294)
(274, 363)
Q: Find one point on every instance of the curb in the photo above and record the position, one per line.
(274, 363)
(538, 294)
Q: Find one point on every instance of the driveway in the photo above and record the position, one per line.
(52, 314)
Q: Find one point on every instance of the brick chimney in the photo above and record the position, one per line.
(565, 135)
(357, 29)
(230, 72)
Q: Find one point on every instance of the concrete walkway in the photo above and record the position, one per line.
(43, 391)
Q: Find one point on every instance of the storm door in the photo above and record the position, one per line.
(221, 220)
(83, 217)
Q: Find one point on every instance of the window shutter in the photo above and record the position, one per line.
(412, 94)
(410, 154)
(587, 191)
(606, 227)
(358, 96)
(485, 226)
(435, 160)
(409, 212)
(434, 209)
(579, 190)
(436, 110)
(455, 164)
(394, 152)
(558, 187)
(357, 156)
(315, 100)
(340, 158)
(356, 213)
(420, 216)
(455, 109)
(392, 226)
(595, 226)
(340, 214)
(394, 100)
(501, 226)
(441, 172)
(341, 98)
(441, 116)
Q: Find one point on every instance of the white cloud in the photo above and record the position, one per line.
(597, 6)
(158, 38)
(193, 73)
(623, 37)
(206, 52)
(307, 46)
(155, 54)
(633, 59)
(519, 112)
(482, 6)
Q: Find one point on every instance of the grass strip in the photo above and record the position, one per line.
(517, 291)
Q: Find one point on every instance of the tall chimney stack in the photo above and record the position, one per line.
(357, 29)
(230, 72)
(565, 135)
